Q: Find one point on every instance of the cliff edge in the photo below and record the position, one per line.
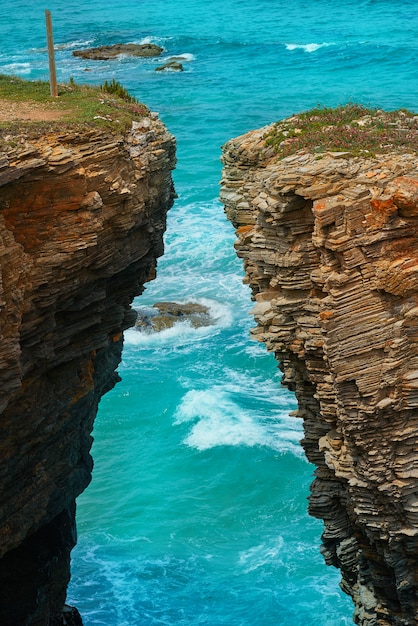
(328, 231)
(82, 214)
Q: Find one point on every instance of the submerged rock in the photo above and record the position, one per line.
(166, 314)
(181, 58)
(172, 65)
(103, 53)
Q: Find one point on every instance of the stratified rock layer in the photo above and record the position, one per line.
(330, 248)
(82, 215)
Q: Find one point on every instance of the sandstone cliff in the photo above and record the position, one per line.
(82, 214)
(330, 248)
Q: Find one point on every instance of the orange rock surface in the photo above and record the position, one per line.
(82, 214)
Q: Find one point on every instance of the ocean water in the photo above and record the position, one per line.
(197, 509)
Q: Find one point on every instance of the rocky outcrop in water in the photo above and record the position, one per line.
(171, 66)
(330, 248)
(82, 215)
(104, 53)
(164, 315)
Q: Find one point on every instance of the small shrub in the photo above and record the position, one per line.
(115, 88)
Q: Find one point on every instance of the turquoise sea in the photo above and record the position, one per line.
(197, 509)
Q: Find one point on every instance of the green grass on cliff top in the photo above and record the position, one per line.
(107, 106)
(353, 129)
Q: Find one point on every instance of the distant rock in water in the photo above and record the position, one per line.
(172, 65)
(167, 314)
(103, 53)
(181, 58)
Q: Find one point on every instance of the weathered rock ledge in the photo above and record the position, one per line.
(330, 248)
(82, 215)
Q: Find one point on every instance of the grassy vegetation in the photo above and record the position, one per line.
(353, 128)
(117, 89)
(107, 106)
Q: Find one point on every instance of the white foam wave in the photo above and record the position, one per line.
(159, 41)
(220, 421)
(69, 45)
(307, 47)
(255, 349)
(185, 57)
(180, 333)
(17, 68)
(78, 43)
(262, 555)
(111, 539)
(199, 231)
(266, 390)
(220, 312)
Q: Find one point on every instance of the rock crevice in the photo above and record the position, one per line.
(329, 244)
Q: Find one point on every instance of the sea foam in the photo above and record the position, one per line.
(261, 555)
(307, 47)
(221, 421)
(182, 332)
(17, 68)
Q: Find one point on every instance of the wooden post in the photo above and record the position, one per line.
(51, 55)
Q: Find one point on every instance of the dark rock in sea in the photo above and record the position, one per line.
(166, 314)
(171, 66)
(70, 617)
(104, 53)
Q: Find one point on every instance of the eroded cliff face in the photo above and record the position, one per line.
(330, 248)
(82, 214)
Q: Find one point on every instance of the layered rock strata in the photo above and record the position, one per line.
(82, 215)
(330, 249)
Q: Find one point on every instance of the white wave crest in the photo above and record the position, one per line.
(262, 555)
(307, 47)
(185, 57)
(70, 45)
(179, 334)
(17, 68)
(159, 41)
(79, 43)
(220, 421)
(266, 390)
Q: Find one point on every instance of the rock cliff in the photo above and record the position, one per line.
(330, 249)
(82, 215)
